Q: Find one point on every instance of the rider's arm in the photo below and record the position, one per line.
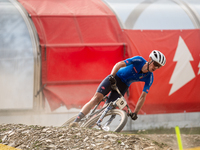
(140, 102)
(117, 66)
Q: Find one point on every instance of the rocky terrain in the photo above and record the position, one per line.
(58, 138)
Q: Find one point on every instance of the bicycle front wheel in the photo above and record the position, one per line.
(114, 120)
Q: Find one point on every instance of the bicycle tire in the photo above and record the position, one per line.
(69, 121)
(119, 112)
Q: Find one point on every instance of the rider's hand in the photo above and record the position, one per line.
(112, 79)
(134, 116)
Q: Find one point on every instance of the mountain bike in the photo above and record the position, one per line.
(111, 117)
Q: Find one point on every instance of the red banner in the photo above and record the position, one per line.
(176, 85)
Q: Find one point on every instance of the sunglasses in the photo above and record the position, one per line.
(156, 64)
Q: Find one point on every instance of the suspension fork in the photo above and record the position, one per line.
(109, 107)
(110, 120)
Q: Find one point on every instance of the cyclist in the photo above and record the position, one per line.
(135, 69)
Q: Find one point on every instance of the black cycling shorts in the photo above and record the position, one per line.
(105, 87)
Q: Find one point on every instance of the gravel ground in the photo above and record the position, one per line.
(65, 138)
(58, 138)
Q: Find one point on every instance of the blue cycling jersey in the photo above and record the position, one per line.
(132, 72)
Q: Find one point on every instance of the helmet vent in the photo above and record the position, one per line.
(162, 60)
(159, 56)
(155, 54)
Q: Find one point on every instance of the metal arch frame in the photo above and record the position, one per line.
(193, 15)
(134, 15)
(37, 99)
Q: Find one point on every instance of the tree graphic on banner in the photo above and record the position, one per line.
(183, 72)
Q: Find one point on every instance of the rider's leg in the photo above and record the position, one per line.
(89, 105)
(94, 101)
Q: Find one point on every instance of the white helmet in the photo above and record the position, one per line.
(158, 57)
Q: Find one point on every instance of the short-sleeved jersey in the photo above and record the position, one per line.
(132, 73)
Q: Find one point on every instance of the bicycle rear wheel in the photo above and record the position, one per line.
(83, 120)
(69, 121)
(117, 124)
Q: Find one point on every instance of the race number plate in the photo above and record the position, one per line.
(121, 103)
